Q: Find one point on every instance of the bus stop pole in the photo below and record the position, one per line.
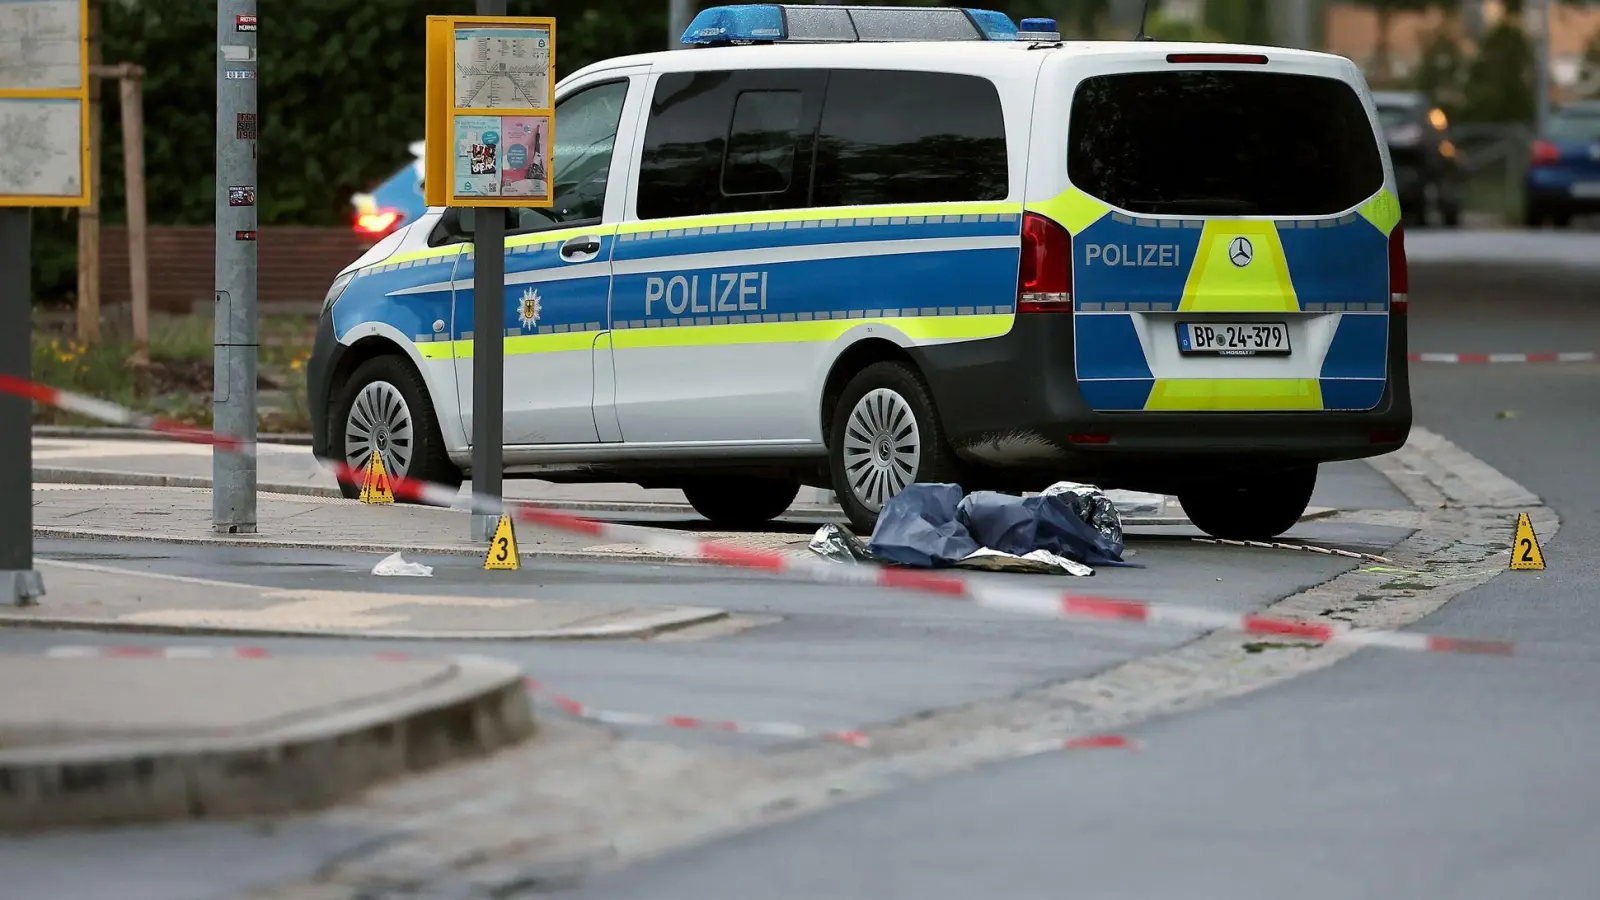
(488, 351)
(20, 585)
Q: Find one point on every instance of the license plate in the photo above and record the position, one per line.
(1234, 338)
(1586, 189)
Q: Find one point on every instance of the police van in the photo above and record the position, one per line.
(857, 248)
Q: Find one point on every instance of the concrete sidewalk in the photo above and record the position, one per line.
(97, 739)
(103, 598)
(292, 469)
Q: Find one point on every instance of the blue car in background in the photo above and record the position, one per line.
(391, 204)
(1563, 178)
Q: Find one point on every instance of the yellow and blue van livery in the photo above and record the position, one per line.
(855, 248)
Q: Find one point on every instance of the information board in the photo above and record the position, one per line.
(44, 103)
(490, 111)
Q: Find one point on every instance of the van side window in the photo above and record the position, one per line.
(761, 143)
(910, 137)
(723, 142)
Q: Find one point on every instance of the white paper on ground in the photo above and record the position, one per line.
(394, 564)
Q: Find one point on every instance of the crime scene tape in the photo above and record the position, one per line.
(853, 738)
(1001, 598)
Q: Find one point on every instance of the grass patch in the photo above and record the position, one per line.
(178, 381)
(1406, 586)
(1264, 646)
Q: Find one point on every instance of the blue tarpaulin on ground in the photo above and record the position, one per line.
(937, 525)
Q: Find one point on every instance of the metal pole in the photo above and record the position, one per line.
(233, 475)
(1539, 11)
(679, 14)
(20, 585)
(488, 350)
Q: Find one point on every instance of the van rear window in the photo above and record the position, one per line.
(1202, 142)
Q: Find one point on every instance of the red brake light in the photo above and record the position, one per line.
(374, 223)
(1544, 153)
(1044, 280)
(1247, 59)
(1399, 273)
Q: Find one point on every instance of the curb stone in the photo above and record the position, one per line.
(641, 799)
(141, 434)
(664, 623)
(114, 478)
(301, 766)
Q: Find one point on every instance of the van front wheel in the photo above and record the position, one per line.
(1253, 508)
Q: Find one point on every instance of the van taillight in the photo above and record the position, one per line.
(1044, 281)
(1399, 272)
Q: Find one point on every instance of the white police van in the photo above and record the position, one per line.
(855, 247)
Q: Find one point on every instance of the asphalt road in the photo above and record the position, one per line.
(1386, 775)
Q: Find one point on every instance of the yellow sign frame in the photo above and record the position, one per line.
(439, 180)
(79, 94)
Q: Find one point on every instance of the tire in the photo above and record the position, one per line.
(1258, 511)
(390, 390)
(1561, 220)
(884, 401)
(741, 502)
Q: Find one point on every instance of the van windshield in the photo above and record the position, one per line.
(1204, 142)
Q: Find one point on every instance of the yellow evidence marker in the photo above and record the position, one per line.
(1525, 552)
(375, 486)
(503, 548)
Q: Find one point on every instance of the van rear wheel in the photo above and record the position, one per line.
(884, 436)
(741, 502)
(1259, 509)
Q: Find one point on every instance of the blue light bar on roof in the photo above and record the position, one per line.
(759, 23)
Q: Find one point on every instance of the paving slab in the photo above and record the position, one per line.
(85, 595)
(98, 739)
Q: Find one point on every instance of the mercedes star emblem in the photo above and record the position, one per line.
(1240, 252)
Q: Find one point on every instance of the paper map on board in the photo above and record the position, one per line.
(39, 44)
(502, 68)
(41, 152)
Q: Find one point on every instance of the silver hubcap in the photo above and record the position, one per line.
(882, 447)
(379, 420)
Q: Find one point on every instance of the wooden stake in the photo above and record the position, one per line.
(133, 181)
(89, 216)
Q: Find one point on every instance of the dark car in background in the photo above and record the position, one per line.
(1426, 170)
(1563, 178)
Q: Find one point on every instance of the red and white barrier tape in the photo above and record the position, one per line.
(694, 723)
(1502, 357)
(853, 738)
(561, 701)
(1004, 598)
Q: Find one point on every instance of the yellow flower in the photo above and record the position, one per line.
(297, 365)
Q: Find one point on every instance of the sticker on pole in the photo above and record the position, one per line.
(503, 554)
(375, 487)
(1525, 552)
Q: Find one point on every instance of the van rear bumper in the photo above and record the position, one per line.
(1011, 409)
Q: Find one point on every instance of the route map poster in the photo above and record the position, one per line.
(43, 103)
(490, 101)
(502, 68)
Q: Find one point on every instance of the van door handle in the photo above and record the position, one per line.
(586, 245)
